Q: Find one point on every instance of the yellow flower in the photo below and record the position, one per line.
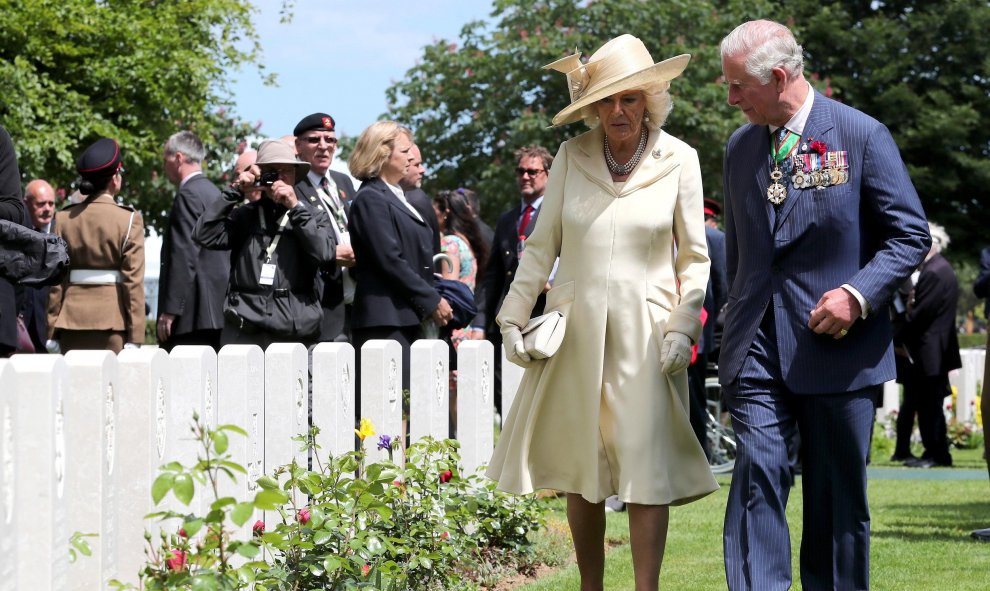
(367, 429)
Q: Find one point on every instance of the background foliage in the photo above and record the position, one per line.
(134, 70)
(913, 64)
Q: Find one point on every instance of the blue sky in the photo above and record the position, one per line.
(339, 56)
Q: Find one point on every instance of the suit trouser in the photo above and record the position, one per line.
(834, 431)
(924, 395)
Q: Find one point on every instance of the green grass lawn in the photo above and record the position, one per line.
(920, 537)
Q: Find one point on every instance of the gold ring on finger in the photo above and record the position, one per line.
(843, 332)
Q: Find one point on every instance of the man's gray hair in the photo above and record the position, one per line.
(186, 142)
(766, 45)
(940, 238)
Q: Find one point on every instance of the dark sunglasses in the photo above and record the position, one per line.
(529, 171)
(316, 139)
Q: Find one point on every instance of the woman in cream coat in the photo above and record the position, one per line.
(608, 413)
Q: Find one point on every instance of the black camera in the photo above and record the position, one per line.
(267, 179)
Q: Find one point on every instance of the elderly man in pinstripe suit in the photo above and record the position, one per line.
(822, 224)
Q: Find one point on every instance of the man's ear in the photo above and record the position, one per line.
(779, 78)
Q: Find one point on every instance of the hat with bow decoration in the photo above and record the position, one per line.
(622, 64)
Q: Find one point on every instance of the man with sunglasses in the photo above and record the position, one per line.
(511, 231)
(331, 191)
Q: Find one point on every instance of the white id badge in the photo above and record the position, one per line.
(267, 274)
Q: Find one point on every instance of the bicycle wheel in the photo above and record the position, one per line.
(721, 438)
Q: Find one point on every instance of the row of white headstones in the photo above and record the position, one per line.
(82, 436)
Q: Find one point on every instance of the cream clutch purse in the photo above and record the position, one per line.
(542, 335)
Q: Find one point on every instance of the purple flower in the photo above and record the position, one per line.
(384, 442)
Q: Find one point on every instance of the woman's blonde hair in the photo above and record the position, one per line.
(374, 148)
(658, 106)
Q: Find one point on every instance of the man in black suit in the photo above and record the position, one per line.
(927, 350)
(192, 280)
(411, 185)
(331, 191)
(513, 227)
(39, 198)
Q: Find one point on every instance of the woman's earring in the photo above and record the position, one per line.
(646, 116)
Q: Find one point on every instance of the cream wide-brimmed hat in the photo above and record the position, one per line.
(621, 64)
(279, 152)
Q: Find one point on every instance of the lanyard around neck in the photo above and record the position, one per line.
(278, 233)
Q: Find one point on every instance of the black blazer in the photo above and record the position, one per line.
(12, 209)
(192, 279)
(424, 205)
(331, 275)
(929, 329)
(502, 263)
(394, 253)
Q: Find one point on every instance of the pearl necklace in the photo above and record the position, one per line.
(624, 169)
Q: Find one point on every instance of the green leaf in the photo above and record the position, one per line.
(192, 526)
(248, 550)
(183, 488)
(269, 500)
(267, 483)
(220, 442)
(322, 536)
(232, 429)
(161, 486)
(241, 513)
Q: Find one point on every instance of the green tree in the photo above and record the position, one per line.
(922, 68)
(134, 70)
(916, 65)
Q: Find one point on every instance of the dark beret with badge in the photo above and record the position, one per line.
(316, 121)
(712, 208)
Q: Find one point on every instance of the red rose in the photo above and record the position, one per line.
(365, 570)
(182, 532)
(445, 476)
(303, 516)
(258, 528)
(177, 562)
(444, 535)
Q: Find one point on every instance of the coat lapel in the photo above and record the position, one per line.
(817, 127)
(656, 163)
(393, 200)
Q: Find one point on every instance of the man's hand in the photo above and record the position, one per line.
(283, 194)
(835, 313)
(345, 255)
(444, 313)
(165, 321)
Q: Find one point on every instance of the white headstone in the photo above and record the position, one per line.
(429, 390)
(39, 430)
(511, 376)
(475, 403)
(92, 404)
(333, 398)
(241, 402)
(147, 435)
(967, 382)
(891, 399)
(193, 370)
(381, 392)
(286, 404)
(8, 416)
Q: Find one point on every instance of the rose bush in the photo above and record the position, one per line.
(413, 521)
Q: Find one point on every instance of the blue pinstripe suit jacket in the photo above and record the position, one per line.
(869, 232)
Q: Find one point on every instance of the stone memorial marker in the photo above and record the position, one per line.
(241, 402)
(334, 375)
(381, 392)
(429, 390)
(286, 404)
(475, 404)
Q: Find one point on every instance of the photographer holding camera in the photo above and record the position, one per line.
(277, 246)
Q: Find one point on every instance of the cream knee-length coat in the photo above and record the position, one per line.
(599, 418)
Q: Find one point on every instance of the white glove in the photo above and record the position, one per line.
(515, 351)
(675, 354)
(53, 347)
(132, 346)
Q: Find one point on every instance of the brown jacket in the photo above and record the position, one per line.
(101, 235)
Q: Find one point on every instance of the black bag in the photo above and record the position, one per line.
(31, 258)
